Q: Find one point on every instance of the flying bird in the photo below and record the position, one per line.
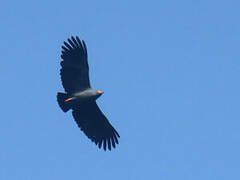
(81, 98)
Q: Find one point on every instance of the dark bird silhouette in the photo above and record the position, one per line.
(81, 98)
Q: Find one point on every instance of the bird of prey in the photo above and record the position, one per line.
(81, 98)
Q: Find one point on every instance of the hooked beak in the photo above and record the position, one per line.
(100, 92)
(69, 99)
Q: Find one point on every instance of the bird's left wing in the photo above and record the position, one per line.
(75, 70)
(95, 125)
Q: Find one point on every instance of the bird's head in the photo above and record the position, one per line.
(99, 92)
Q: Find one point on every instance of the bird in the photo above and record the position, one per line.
(81, 98)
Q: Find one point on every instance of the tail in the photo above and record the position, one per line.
(61, 97)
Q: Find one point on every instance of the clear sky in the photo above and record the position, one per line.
(170, 72)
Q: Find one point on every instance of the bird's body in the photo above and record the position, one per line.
(86, 95)
(81, 98)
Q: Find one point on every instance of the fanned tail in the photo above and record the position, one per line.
(65, 106)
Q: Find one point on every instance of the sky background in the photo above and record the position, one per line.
(170, 72)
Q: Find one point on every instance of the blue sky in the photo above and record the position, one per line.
(170, 72)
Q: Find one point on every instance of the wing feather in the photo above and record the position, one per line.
(72, 44)
(95, 125)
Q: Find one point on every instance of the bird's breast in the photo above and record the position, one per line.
(87, 95)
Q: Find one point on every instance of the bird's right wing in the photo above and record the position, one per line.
(95, 125)
(75, 71)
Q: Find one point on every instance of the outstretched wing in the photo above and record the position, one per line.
(74, 72)
(95, 125)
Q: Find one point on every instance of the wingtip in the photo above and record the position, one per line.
(109, 144)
